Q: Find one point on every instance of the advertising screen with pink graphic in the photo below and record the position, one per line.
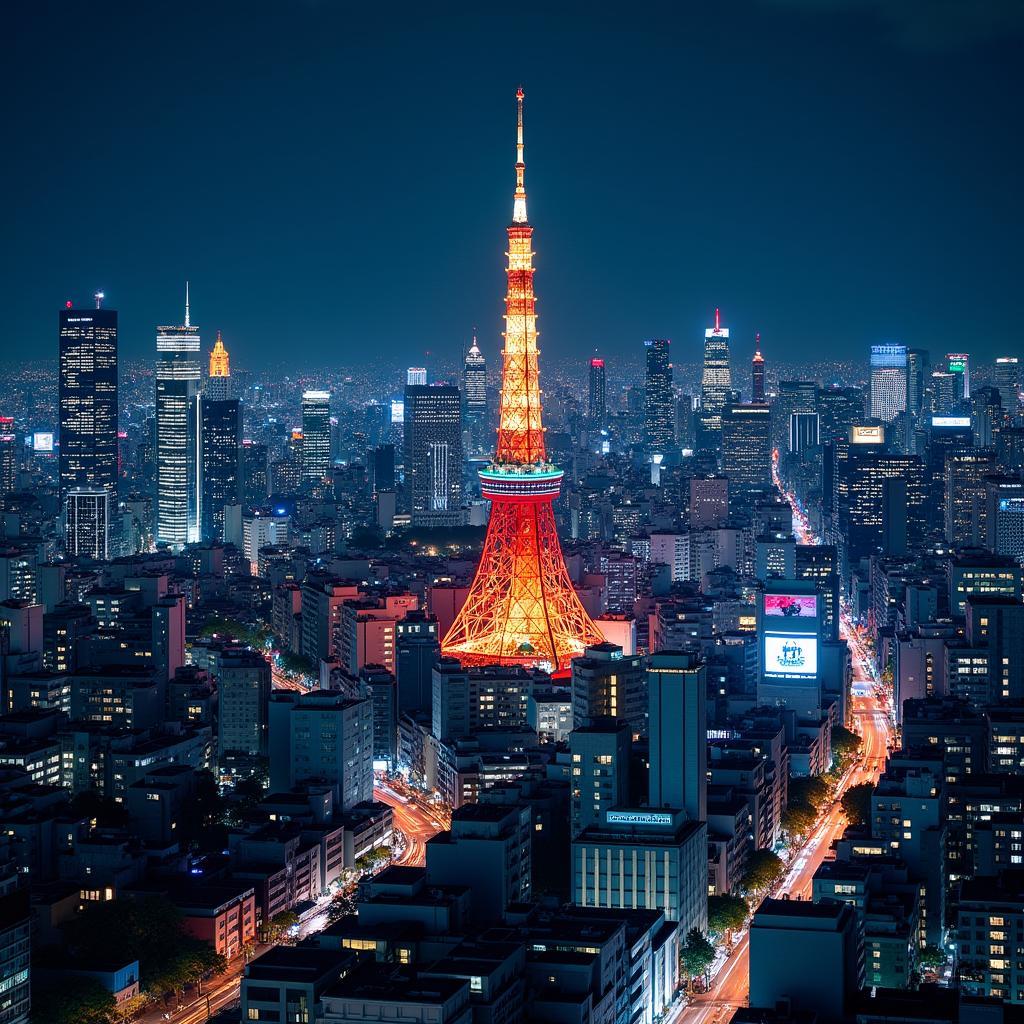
(791, 606)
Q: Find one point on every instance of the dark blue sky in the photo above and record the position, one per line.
(335, 182)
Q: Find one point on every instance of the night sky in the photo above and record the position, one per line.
(336, 181)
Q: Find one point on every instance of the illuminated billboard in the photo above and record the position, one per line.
(791, 605)
(951, 421)
(956, 364)
(42, 441)
(397, 410)
(867, 435)
(790, 656)
(1015, 505)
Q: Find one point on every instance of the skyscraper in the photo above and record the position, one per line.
(659, 410)
(888, 381)
(433, 454)
(255, 478)
(221, 427)
(87, 522)
(757, 393)
(716, 379)
(8, 455)
(522, 608)
(218, 384)
(747, 445)
(178, 378)
(918, 371)
(416, 376)
(959, 363)
(1007, 378)
(597, 407)
(87, 398)
(474, 395)
(316, 435)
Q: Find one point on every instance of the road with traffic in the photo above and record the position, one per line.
(871, 715)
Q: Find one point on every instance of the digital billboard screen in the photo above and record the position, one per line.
(804, 606)
(42, 441)
(790, 656)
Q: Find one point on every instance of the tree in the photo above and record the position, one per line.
(856, 803)
(697, 956)
(279, 924)
(202, 817)
(764, 869)
(73, 1001)
(799, 819)
(931, 958)
(726, 914)
(845, 744)
(812, 790)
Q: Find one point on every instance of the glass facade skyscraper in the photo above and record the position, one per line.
(316, 434)
(888, 381)
(87, 399)
(433, 454)
(716, 378)
(659, 410)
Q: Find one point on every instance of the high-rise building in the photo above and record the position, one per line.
(716, 379)
(1006, 377)
(255, 478)
(747, 445)
(433, 454)
(87, 398)
(918, 370)
(803, 431)
(218, 384)
(474, 396)
(221, 429)
(597, 404)
(677, 728)
(757, 392)
(416, 376)
(8, 455)
(659, 411)
(964, 506)
(793, 396)
(838, 410)
(944, 388)
(522, 608)
(178, 377)
(316, 435)
(87, 522)
(959, 364)
(608, 684)
(382, 468)
(888, 381)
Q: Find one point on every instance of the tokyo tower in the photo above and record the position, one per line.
(521, 609)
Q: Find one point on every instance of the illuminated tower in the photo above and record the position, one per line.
(218, 384)
(716, 380)
(757, 373)
(521, 609)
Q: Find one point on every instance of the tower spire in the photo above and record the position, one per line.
(188, 321)
(718, 319)
(519, 203)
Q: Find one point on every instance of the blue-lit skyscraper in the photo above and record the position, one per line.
(888, 381)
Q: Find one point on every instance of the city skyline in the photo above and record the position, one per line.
(786, 222)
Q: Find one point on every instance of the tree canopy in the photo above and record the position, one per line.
(856, 803)
(73, 1001)
(764, 869)
(811, 789)
(726, 914)
(845, 743)
(799, 819)
(697, 955)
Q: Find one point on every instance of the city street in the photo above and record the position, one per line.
(414, 817)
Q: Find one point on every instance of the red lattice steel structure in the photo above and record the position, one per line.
(522, 608)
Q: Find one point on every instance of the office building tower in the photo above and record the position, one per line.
(803, 431)
(1004, 515)
(417, 649)
(522, 608)
(918, 370)
(888, 381)
(1006, 377)
(959, 364)
(416, 376)
(316, 435)
(16, 940)
(243, 693)
(87, 398)
(839, 409)
(757, 391)
(220, 441)
(608, 684)
(747, 445)
(178, 377)
(716, 378)
(254, 470)
(792, 397)
(218, 383)
(964, 504)
(597, 403)
(87, 522)
(599, 753)
(659, 412)
(8, 455)
(789, 633)
(944, 388)
(677, 729)
(382, 468)
(474, 395)
(433, 454)
(987, 416)
(709, 502)
(786, 938)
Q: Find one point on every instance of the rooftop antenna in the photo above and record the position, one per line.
(718, 319)
(99, 296)
(188, 321)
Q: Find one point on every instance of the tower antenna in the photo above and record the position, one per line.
(519, 203)
(188, 322)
